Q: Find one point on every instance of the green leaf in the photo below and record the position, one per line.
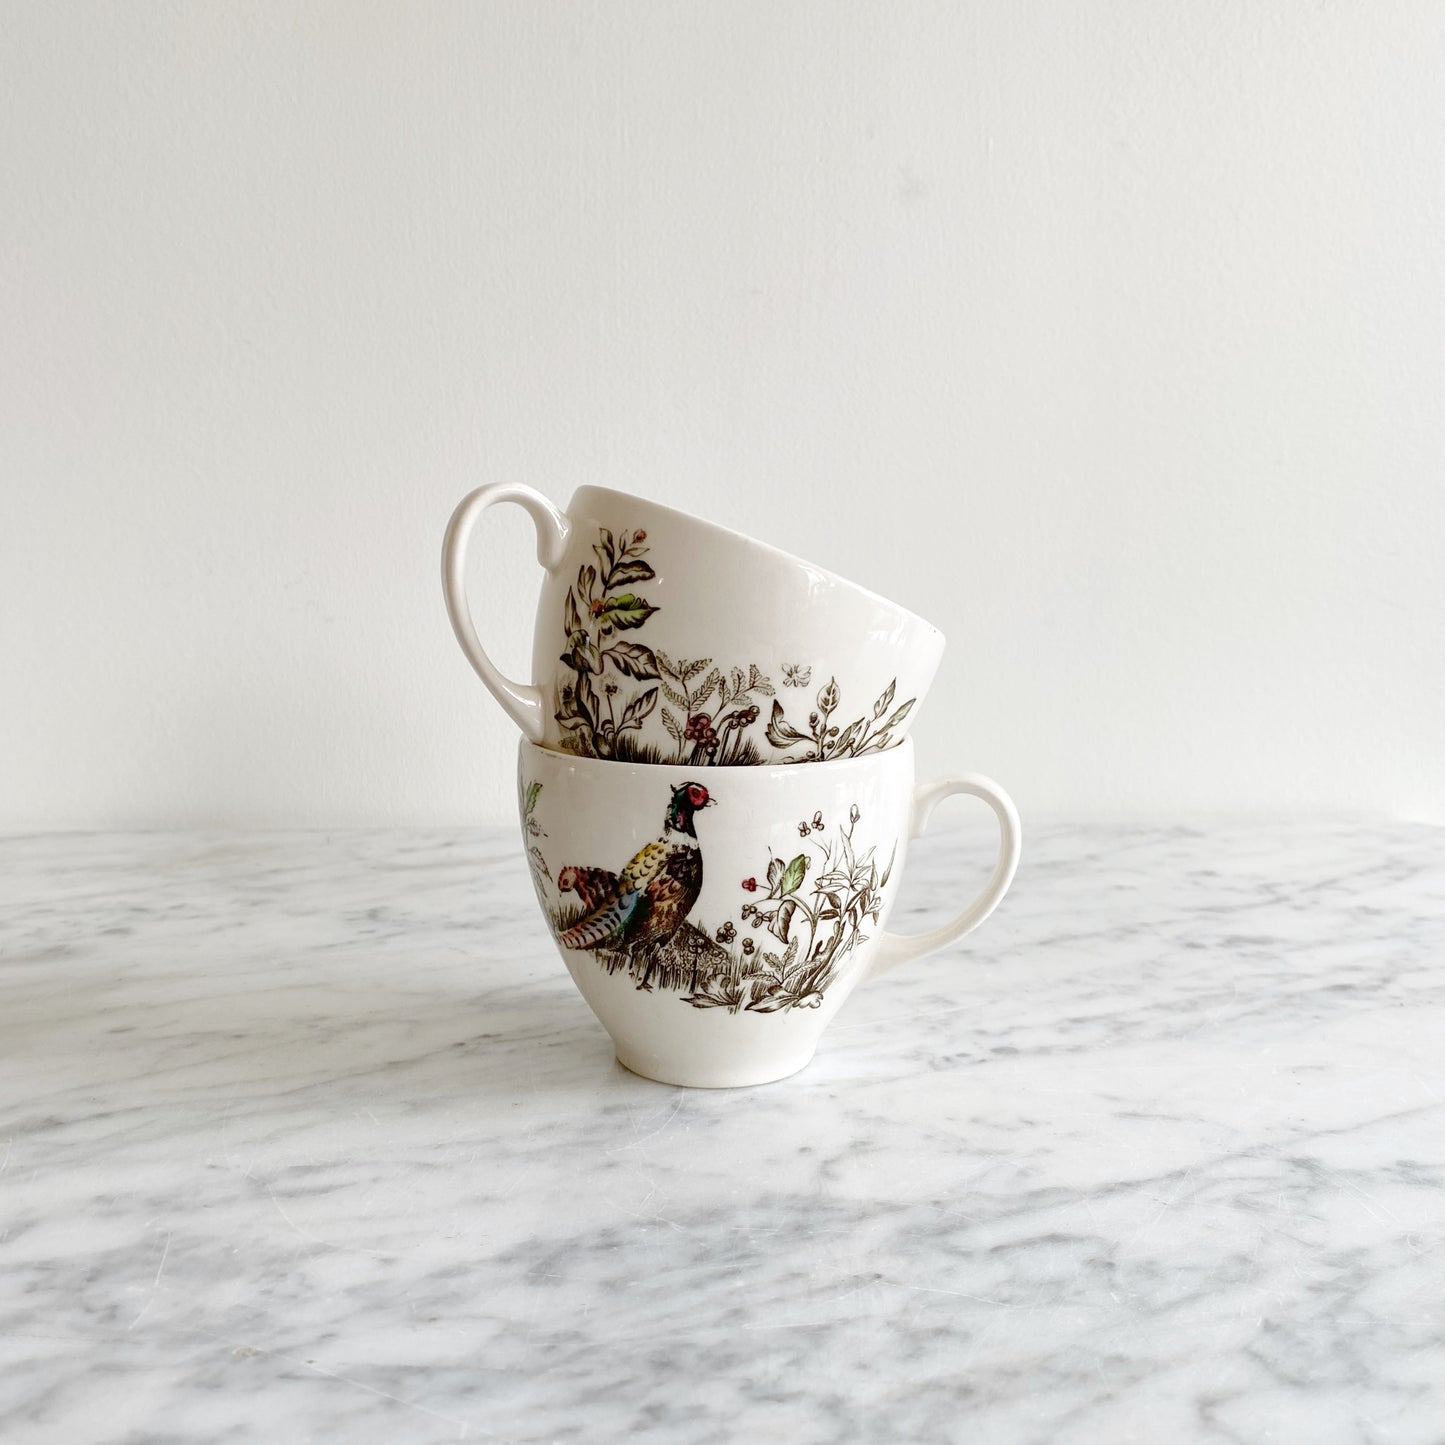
(624, 611)
(794, 874)
(633, 659)
(530, 802)
(884, 702)
(630, 572)
(780, 732)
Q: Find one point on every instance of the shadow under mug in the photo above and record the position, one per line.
(715, 922)
(663, 639)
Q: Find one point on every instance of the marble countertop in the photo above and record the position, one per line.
(308, 1137)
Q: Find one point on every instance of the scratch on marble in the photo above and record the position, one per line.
(464, 1426)
(280, 1209)
(314, 1239)
(161, 1267)
(952, 1293)
(651, 1133)
(1368, 1200)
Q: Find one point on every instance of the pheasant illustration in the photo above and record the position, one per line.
(638, 911)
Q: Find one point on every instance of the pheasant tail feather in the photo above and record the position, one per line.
(602, 927)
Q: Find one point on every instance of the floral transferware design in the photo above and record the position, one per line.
(826, 740)
(787, 944)
(707, 731)
(597, 612)
(529, 793)
(817, 927)
(710, 714)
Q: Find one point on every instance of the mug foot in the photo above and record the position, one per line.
(718, 1076)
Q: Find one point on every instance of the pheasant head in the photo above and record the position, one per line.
(686, 800)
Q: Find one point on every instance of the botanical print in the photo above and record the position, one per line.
(818, 927)
(530, 792)
(826, 740)
(638, 919)
(597, 611)
(710, 714)
(706, 731)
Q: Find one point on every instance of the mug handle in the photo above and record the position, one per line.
(896, 948)
(526, 704)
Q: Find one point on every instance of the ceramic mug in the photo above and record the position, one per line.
(715, 921)
(663, 639)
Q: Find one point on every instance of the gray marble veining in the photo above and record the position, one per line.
(308, 1137)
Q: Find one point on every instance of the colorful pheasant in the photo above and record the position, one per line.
(637, 911)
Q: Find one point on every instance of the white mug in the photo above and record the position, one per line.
(716, 921)
(663, 639)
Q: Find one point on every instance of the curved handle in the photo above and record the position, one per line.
(526, 704)
(896, 948)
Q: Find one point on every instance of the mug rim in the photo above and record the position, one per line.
(834, 767)
(732, 534)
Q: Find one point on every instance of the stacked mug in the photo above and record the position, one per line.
(715, 780)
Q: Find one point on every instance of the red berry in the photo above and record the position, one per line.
(751, 884)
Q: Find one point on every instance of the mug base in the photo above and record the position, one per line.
(719, 1076)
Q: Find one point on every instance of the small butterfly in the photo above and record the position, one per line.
(798, 676)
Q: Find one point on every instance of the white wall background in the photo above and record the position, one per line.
(1111, 336)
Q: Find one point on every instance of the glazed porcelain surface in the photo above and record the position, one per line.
(663, 639)
(715, 921)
